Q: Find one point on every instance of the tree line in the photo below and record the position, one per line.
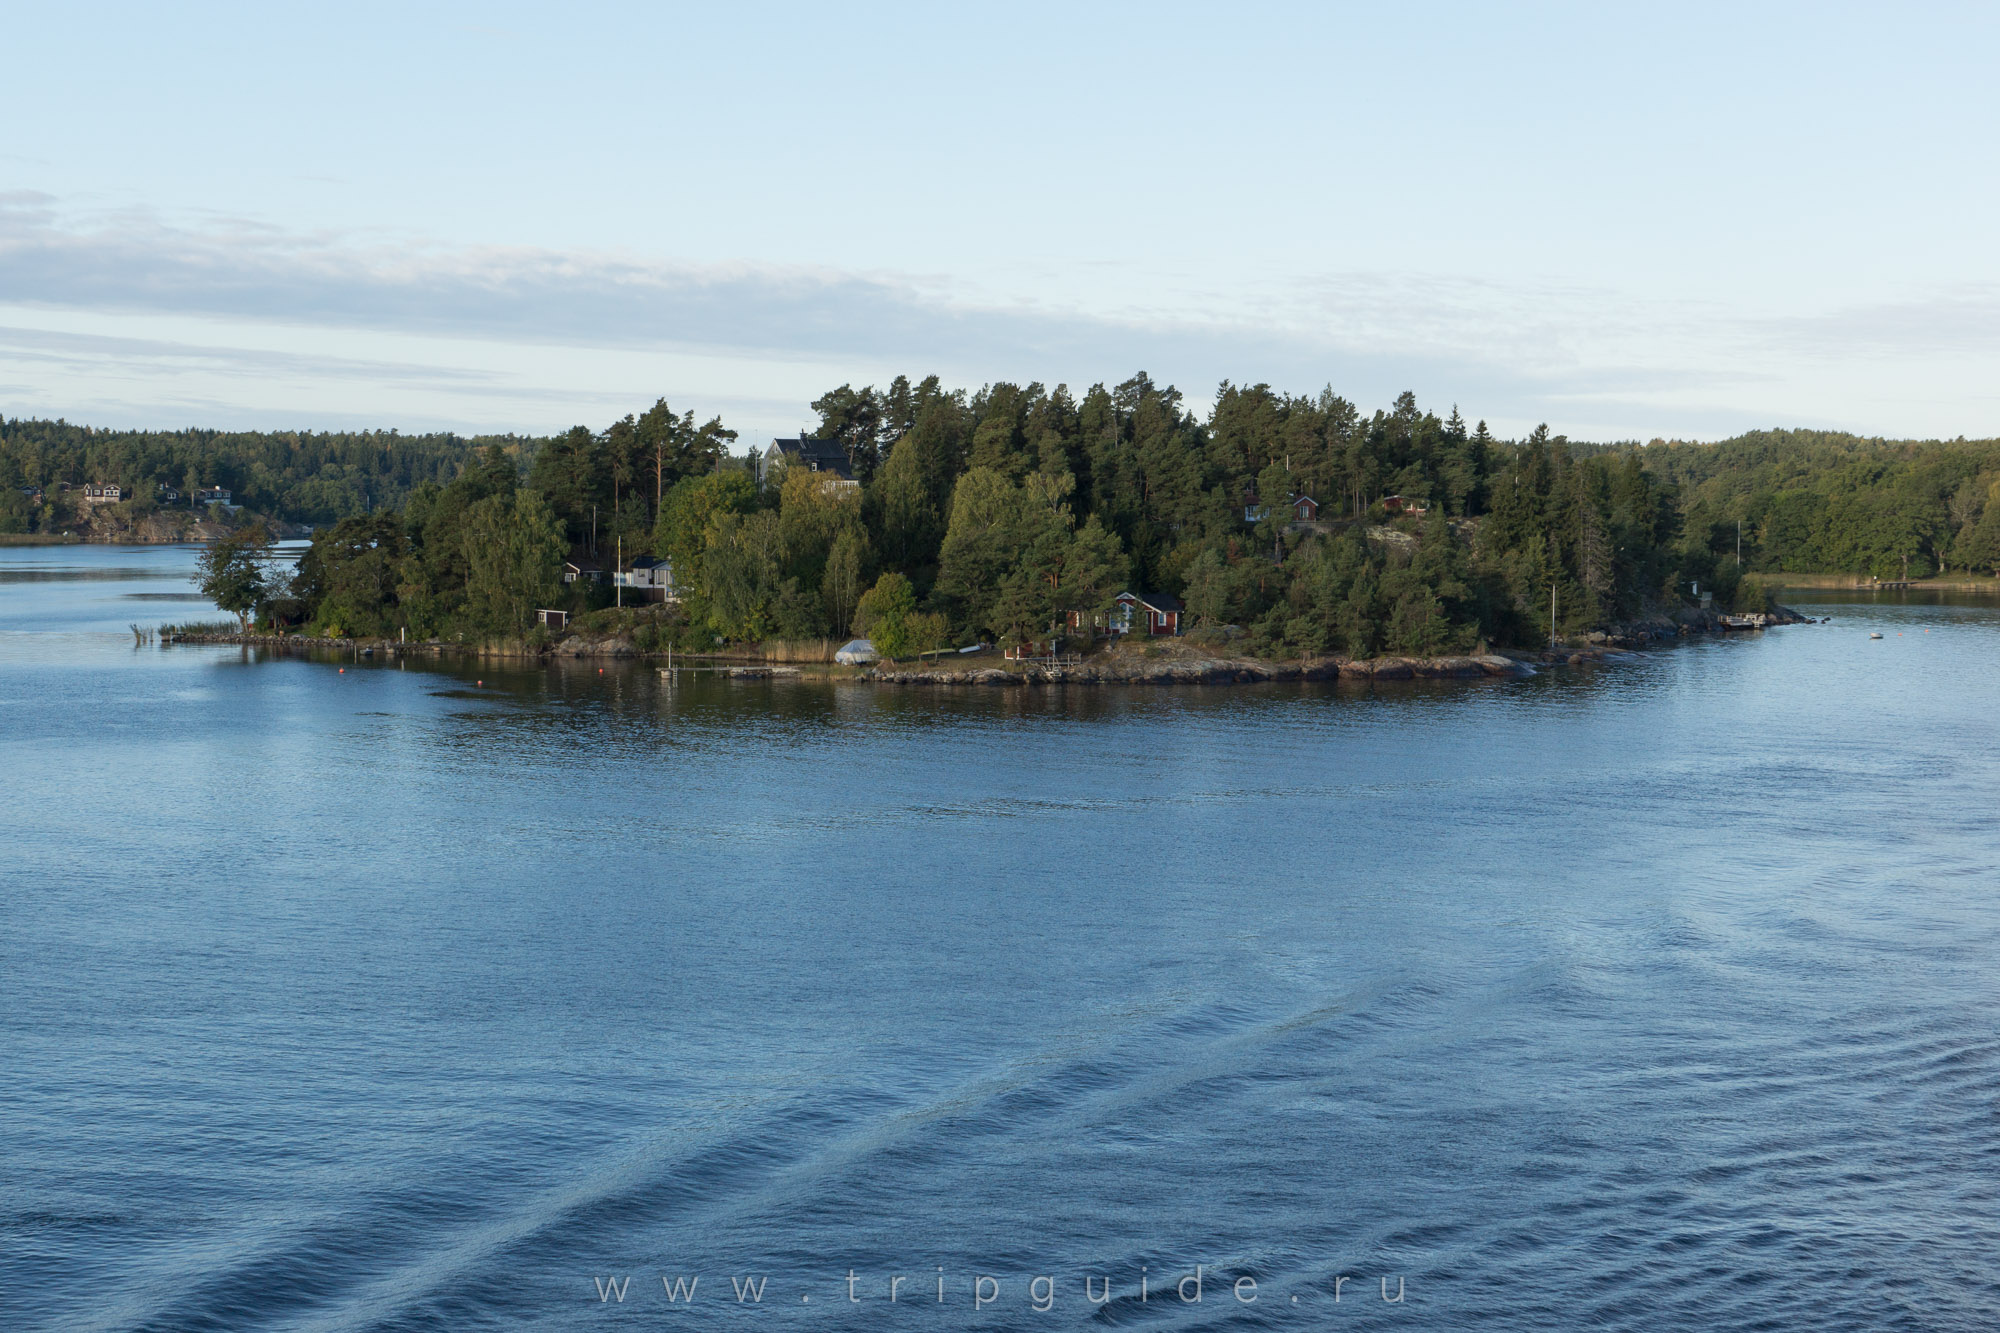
(1018, 513)
(1820, 501)
(297, 476)
(1291, 524)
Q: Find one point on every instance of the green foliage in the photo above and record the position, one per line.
(1816, 501)
(613, 484)
(232, 572)
(687, 528)
(513, 547)
(841, 585)
(472, 559)
(1019, 511)
(298, 476)
(885, 614)
(349, 575)
(1751, 594)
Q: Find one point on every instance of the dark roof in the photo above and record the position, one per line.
(648, 561)
(1156, 601)
(578, 559)
(821, 455)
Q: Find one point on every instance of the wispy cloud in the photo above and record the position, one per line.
(83, 350)
(1963, 320)
(1588, 360)
(137, 261)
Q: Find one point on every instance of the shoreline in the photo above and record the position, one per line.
(1862, 583)
(1144, 667)
(1189, 671)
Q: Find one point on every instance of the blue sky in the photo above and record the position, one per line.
(1625, 221)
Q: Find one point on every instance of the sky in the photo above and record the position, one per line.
(1627, 221)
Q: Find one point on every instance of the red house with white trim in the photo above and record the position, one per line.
(1162, 613)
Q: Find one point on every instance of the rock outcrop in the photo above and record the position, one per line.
(1211, 671)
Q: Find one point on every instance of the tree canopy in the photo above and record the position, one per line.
(1017, 511)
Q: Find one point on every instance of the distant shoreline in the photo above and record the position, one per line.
(1862, 583)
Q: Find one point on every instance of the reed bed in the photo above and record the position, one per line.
(800, 650)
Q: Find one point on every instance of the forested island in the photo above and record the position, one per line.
(928, 517)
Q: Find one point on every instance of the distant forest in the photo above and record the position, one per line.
(1823, 502)
(296, 476)
(1299, 524)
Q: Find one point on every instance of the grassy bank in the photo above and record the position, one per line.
(1861, 582)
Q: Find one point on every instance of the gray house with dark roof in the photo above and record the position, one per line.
(828, 457)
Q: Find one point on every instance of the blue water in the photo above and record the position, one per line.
(1654, 996)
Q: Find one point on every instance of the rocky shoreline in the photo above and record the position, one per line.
(166, 527)
(1184, 668)
(1237, 670)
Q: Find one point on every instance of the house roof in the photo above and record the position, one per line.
(1154, 601)
(585, 563)
(821, 455)
(648, 562)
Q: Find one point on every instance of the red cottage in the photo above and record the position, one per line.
(1162, 612)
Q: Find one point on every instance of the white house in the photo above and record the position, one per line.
(652, 579)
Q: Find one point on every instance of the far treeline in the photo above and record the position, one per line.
(1010, 513)
(293, 476)
(1811, 502)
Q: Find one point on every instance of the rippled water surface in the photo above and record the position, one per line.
(1656, 996)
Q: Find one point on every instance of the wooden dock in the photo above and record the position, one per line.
(733, 672)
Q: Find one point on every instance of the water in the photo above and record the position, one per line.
(1658, 996)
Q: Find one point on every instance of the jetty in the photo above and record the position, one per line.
(733, 672)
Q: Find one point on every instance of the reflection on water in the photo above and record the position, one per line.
(409, 996)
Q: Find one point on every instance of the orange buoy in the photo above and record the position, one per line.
(343, 671)
(478, 682)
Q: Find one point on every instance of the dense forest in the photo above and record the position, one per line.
(1014, 512)
(297, 476)
(1291, 524)
(1813, 501)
